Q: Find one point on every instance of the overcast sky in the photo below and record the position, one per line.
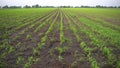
(60, 2)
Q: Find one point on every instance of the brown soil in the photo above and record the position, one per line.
(74, 57)
(25, 49)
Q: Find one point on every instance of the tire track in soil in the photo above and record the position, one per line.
(105, 25)
(100, 22)
(27, 51)
(48, 60)
(111, 21)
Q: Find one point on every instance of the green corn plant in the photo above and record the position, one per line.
(31, 25)
(106, 51)
(18, 44)
(3, 55)
(36, 60)
(43, 24)
(62, 38)
(81, 59)
(118, 64)
(87, 50)
(36, 51)
(40, 45)
(43, 39)
(19, 60)
(78, 57)
(28, 36)
(16, 37)
(11, 49)
(60, 58)
(69, 41)
(60, 50)
(82, 44)
(30, 60)
(94, 65)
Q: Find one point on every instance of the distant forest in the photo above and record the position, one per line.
(38, 6)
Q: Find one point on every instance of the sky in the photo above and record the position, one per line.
(60, 2)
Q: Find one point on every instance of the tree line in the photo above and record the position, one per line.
(38, 6)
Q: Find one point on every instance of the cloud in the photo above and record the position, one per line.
(61, 2)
